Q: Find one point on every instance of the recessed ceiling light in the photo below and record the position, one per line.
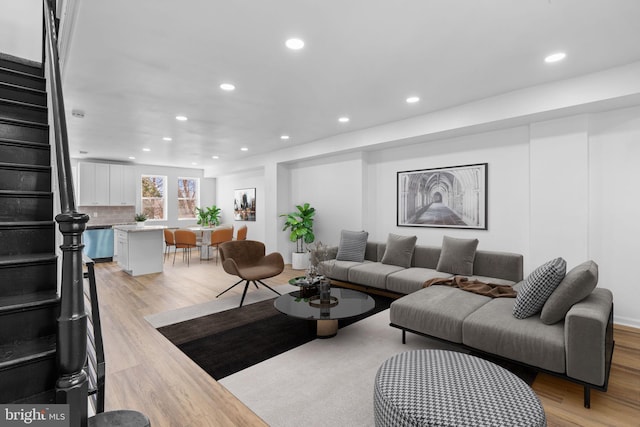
(412, 99)
(215, 157)
(182, 118)
(555, 57)
(227, 86)
(167, 138)
(294, 44)
(131, 158)
(343, 119)
(194, 163)
(284, 137)
(244, 149)
(146, 149)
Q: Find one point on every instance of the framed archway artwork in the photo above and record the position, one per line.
(244, 204)
(448, 197)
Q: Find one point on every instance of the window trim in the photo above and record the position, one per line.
(178, 198)
(164, 196)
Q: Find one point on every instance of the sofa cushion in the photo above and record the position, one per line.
(492, 328)
(537, 287)
(494, 280)
(457, 256)
(339, 270)
(399, 250)
(411, 279)
(426, 256)
(576, 286)
(437, 311)
(352, 245)
(372, 274)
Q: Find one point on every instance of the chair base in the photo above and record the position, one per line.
(246, 287)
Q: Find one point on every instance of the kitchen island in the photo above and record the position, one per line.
(140, 249)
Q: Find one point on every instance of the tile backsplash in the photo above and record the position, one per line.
(108, 215)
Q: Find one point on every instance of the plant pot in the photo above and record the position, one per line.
(300, 260)
(140, 223)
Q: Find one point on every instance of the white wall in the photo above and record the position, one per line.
(506, 153)
(226, 187)
(559, 186)
(565, 187)
(614, 207)
(334, 187)
(21, 28)
(207, 188)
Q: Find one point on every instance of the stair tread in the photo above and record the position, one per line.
(26, 259)
(24, 88)
(34, 299)
(16, 224)
(24, 166)
(24, 122)
(22, 351)
(21, 143)
(22, 73)
(23, 104)
(29, 193)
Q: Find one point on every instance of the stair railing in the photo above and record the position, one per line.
(72, 383)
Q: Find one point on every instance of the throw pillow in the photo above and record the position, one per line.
(457, 256)
(352, 246)
(576, 286)
(399, 250)
(537, 287)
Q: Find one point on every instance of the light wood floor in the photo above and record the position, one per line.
(147, 373)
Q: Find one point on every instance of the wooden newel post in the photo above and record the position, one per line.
(72, 384)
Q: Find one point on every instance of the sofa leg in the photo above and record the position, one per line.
(587, 396)
(404, 336)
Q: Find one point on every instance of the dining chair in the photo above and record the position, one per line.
(169, 242)
(185, 240)
(220, 235)
(247, 260)
(242, 233)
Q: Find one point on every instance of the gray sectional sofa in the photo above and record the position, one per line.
(571, 336)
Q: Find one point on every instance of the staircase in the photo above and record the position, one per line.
(29, 301)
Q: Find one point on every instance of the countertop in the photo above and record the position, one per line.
(136, 229)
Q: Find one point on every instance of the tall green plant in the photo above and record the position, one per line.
(300, 224)
(208, 215)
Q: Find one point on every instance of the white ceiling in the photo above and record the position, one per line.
(134, 65)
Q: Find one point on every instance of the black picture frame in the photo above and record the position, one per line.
(446, 197)
(244, 204)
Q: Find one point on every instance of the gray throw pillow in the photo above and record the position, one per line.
(352, 246)
(537, 288)
(399, 250)
(576, 286)
(457, 256)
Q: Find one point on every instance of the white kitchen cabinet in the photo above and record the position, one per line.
(93, 184)
(122, 185)
(140, 249)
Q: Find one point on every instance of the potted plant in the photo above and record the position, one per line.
(300, 225)
(140, 219)
(208, 216)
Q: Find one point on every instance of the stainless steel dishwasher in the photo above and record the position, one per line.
(98, 243)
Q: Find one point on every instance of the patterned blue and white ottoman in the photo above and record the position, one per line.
(447, 388)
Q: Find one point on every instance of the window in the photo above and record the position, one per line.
(154, 202)
(188, 197)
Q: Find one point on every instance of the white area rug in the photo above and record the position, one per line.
(326, 382)
(225, 302)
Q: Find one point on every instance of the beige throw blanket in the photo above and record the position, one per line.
(477, 287)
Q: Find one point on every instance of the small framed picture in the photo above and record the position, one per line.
(244, 204)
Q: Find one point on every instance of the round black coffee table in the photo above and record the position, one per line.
(344, 303)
